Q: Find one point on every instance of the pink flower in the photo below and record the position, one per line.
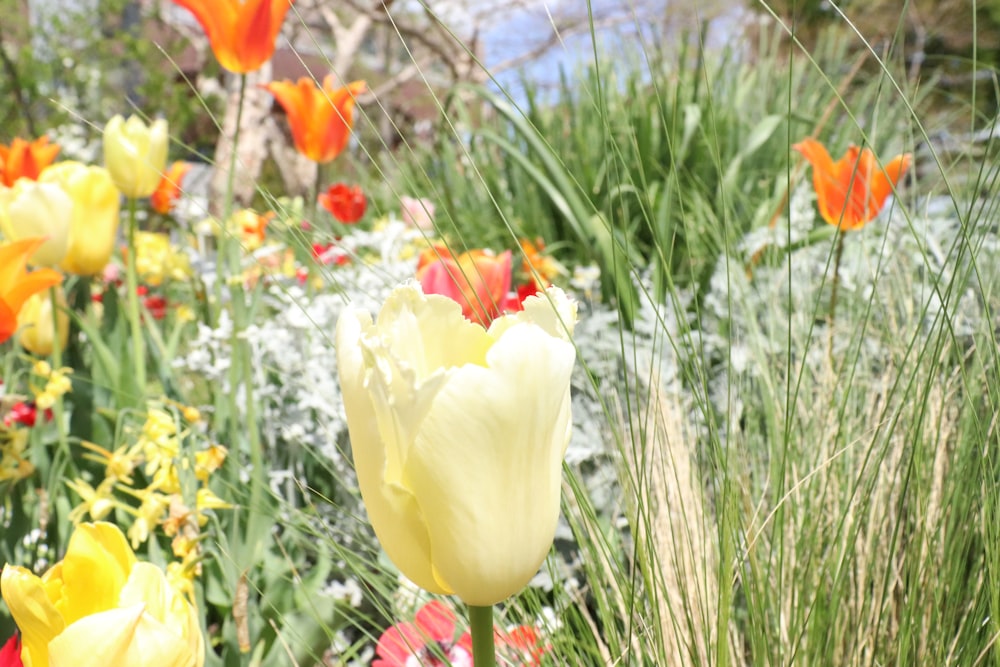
(417, 213)
(478, 280)
(423, 642)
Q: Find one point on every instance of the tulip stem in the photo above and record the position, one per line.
(228, 254)
(838, 254)
(481, 626)
(56, 365)
(132, 285)
(241, 370)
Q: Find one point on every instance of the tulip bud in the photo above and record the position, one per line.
(32, 209)
(458, 435)
(135, 154)
(35, 323)
(95, 215)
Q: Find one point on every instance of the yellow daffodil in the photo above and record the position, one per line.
(97, 503)
(458, 434)
(99, 607)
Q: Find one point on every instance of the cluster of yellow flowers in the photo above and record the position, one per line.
(13, 466)
(157, 260)
(57, 383)
(177, 479)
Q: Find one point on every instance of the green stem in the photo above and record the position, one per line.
(230, 272)
(228, 252)
(481, 626)
(317, 188)
(838, 254)
(134, 316)
(57, 363)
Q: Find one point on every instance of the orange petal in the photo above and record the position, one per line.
(885, 180)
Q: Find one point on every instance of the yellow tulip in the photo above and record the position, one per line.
(135, 154)
(35, 323)
(99, 607)
(95, 215)
(31, 209)
(458, 434)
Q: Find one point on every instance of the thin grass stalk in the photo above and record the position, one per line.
(834, 283)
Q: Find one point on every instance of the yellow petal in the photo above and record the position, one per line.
(34, 613)
(96, 566)
(125, 637)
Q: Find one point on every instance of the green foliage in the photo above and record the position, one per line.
(652, 173)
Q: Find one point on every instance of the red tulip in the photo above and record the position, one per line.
(346, 203)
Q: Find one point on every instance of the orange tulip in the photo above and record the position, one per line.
(852, 190)
(23, 159)
(321, 118)
(16, 284)
(169, 189)
(242, 32)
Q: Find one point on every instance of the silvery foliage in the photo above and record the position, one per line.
(906, 276)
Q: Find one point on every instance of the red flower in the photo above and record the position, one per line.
(344, 202)
(330, 253)
(10, 654)
(520, 646)
(156, 305)
(425, 641)
(21, 413)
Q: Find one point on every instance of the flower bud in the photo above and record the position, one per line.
(35, 323)
(135, 154)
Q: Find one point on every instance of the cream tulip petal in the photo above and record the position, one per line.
(34, 613)
(487, 471)
(392, 510)
(125, 636)
(429, 332)
(552, 310)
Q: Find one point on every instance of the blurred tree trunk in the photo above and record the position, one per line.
(252, 141)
